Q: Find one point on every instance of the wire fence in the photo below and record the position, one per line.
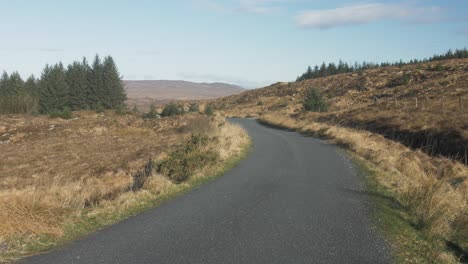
(454, 105)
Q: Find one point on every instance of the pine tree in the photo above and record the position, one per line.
(323, 70)
(113, 87)
(341, 67)
(54, 90)
(332, 69)
(316, 71)
(4, 84)
(96, 96)
(31, 86)
(78, 83)
(314, 101)
(14, 84)
(309, 73)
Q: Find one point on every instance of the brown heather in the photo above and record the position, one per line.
(55, 172)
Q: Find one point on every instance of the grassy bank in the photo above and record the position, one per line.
(229, 142)
(408, 244)
(421, 201)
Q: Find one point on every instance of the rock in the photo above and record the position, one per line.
(6, 142)
(6, 135)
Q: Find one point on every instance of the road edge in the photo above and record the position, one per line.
(76, 230)
(393, 222)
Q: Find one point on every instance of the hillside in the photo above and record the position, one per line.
(417, 104)
(144, 93)
(409, 126)
(61, 179)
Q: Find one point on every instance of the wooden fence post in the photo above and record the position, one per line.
(416, 102)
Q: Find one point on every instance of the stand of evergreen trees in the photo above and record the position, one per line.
(79, 86)
(343, 67)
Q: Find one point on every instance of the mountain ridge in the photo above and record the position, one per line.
(143, 93)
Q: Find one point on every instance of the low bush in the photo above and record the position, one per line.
(194, 107)
(99, 108)
(122, 110)
(314, 101)
(209, 110)
(438, 68)
(182, 163)
(152, 114)
(172, 110)
(399, 81)
(65, 113)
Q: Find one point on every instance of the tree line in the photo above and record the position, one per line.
(78, 86)
(343, 67)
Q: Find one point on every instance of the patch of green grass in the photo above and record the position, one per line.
(408, 244)
(86, 224)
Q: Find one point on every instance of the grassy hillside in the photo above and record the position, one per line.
(410, 124)
(61, 179)
(418, 105)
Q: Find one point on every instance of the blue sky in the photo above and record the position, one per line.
(246, 42)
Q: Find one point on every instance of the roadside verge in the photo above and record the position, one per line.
(224, 143)
(421, 201)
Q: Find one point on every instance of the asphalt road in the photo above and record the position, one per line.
(294, 199)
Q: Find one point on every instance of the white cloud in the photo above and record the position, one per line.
(366, 13)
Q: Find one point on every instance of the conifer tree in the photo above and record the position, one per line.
(112, 85)
(96, 96)
(309, 73)
(54, 90)
(31, 86)
(78, 83)
(14, 85)
(4, 84)
(323, 70)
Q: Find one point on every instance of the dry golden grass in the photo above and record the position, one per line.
(61, 171)
(435, 126)
(374, 114)
(419, 150)
(435, 190)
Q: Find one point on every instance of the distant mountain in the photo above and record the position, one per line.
(164, 90)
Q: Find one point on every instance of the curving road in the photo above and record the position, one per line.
(294, 199)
